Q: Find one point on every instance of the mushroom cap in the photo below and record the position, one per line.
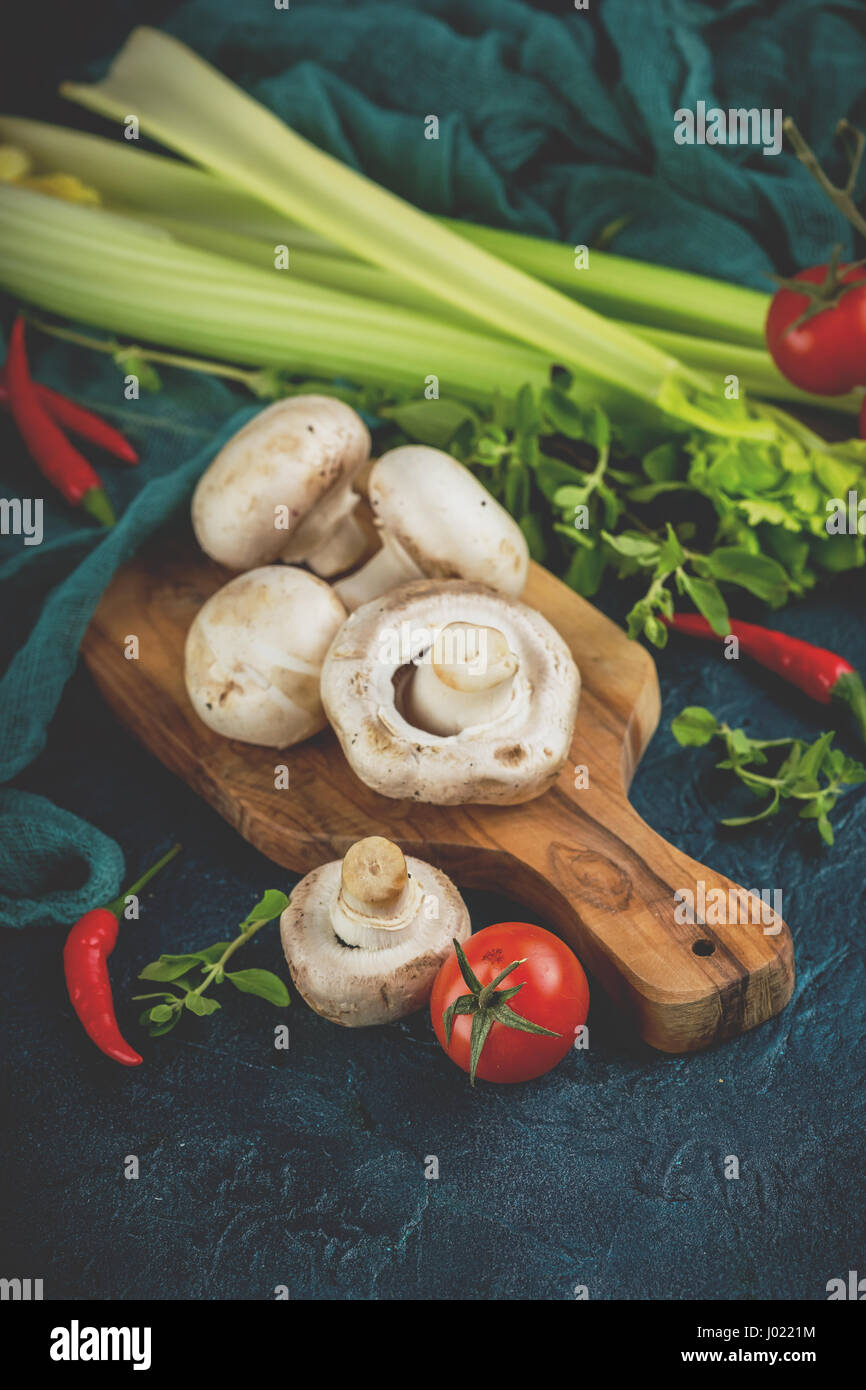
(300, 453)
(445, 521)
(358, 987)
(514, 757)
(254, 653)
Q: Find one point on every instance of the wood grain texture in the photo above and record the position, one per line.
(581, 861)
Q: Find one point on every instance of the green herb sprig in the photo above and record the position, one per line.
(162, 1017)
(750, 494)
(813, 774)
(587, 497)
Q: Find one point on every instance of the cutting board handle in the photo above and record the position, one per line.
(690, 956)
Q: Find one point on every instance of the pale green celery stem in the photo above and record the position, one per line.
(635, 291)
(144, 287)
(124, 174)
(755, 368)
(190, 107)
(756, 371)
(342, 273)
(164, 188)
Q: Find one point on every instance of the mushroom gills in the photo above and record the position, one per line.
(468, 680)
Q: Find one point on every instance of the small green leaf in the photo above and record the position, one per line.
(534, 533)
(169, 967)
(671, 555)
(433, 422)
(158, 1030)
(655, 631)
(597, 427)
(709, 602)
(160, 1013)
(761, 575)
(201, 1004)
(641, 548)
(261, 982)
(694, 727)
(661, 464)
(272, 905)
(562, 414)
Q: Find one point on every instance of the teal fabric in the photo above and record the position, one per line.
(561, 123)
(54, 866)
(554, 123)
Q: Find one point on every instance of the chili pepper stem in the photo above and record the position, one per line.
(95, 501)
(850, 689)
(116, 906)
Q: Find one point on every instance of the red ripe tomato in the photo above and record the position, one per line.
(827, 353)
(554, 995)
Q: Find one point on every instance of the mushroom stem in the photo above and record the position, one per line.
(343, 548)
(387, 569)
(467, 681)
(377, 897)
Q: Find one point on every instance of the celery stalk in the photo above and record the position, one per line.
(190, 107)
(135, 281)
(336, 272)
(219, 216)
(144, 182)
(633, 291)
(755, 369)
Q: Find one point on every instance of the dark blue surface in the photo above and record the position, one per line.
(306, 1168)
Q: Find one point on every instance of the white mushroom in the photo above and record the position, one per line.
(281, 489)
(436, 520)
(447, 692)
(254, 654)
(365, 937)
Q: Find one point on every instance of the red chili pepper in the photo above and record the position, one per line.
(85, 956)
(72, 416)
(55, 457)
(820, 674)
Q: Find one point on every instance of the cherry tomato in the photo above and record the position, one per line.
(827, 353)
(554, 995)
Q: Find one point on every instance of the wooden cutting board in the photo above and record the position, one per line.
(581, 861)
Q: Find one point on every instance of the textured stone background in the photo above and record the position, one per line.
(306, 1168)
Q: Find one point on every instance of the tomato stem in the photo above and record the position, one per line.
(487, 1005)
(840, 196)
(823, 294)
